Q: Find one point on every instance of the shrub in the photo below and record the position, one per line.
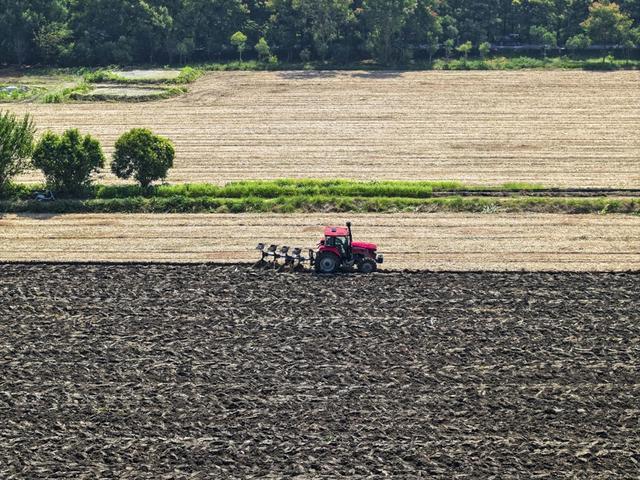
(262, 47)
(484, 48)
(465, 49)
(68, 160)
(188, 75)
(143, 155)
(16, 145)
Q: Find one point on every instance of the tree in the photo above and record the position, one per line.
(607, 25)
(578, 42)
(448, 47)
(22, 20)
(484, 48)
(324, 18)
(385, 20)
(119, 31)
(68, 161)
(263, 50)
(432, 45)
(543, 36)
(476, 20)
(239, 40)
(423, 28)
(465, 49)
(54, 42)
(16, 145)
(210, 24)
(143, 155)
(284, 29)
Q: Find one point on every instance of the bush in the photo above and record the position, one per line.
(16, 145)
(465, 49)
(68, 160)
(143, 155)
(188, 75)
(484, 48)
(262, 47)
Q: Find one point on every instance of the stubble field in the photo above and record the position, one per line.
(558, 128)
(209, 371)
(417, 241)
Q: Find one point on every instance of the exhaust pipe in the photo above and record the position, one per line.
(350, 248)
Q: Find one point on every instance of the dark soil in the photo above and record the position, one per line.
(200, 371)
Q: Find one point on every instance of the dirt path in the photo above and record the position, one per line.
(421, 241)
(558, 128)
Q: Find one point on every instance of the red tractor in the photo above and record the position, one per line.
(335, 251)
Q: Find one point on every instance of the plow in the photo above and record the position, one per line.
(283, 258)
(335, 252)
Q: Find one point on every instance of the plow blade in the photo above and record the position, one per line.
(284, 258)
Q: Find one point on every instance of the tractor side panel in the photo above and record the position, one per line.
(333, 250)
(364, 252)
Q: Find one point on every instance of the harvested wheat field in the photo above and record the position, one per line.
(415, 241)
(558, 128)
(202, 371)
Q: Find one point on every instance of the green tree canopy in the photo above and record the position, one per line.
(239, 40)
(606, 24)
(16, 145)
(142, 155)
(125, 32)
(68, 161)
(386, 20)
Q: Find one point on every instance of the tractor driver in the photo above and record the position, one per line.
(341, 244)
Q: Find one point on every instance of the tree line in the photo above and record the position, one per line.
(104, 32)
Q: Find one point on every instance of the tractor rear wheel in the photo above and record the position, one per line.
(327, 262)
(367, 265)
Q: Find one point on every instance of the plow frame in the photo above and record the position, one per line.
(283, 258)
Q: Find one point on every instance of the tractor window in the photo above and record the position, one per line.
(330, 241)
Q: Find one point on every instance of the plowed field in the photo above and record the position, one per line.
(417, 241)
(558, 128)
(172, 372)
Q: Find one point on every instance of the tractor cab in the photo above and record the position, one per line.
(338, 238)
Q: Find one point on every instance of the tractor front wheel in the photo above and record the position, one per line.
(327, 262)
(368, 265)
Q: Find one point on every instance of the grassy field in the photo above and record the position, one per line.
(421, 241)
(558, 128)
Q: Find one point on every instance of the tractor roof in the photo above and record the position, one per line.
(336, 232)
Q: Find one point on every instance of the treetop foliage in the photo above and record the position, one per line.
(16, 145)
(105, 32)
(142, 155)
(68, 161)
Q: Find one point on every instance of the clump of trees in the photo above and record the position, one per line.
(95, 32)
(70, 161)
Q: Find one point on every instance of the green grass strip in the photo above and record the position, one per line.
(324, 203)
(277, 188)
